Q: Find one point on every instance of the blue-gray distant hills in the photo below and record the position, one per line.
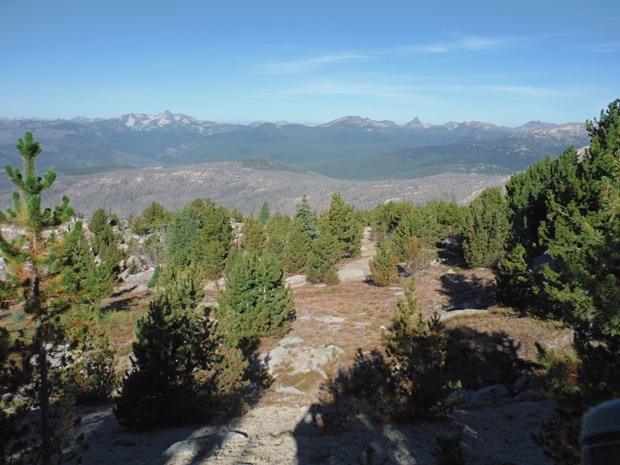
(349, 147)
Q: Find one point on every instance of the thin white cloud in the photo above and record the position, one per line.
(463, 43)
(305, 66)
(460, 44)
(526, 90)
(368, 89)
(605, 47)
(401, 92)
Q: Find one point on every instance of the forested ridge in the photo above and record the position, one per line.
(550, 239)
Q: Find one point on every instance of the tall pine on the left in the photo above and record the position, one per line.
(35, 278)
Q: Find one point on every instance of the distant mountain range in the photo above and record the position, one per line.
(350, 147)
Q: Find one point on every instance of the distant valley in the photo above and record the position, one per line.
(245, 185)
(347, 148)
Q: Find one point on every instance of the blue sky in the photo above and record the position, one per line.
(506, 62)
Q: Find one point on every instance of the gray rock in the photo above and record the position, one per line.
(189, 448)
(276, 357)
(494, 392)
(535, 395)
(291, 340)
(289, 390)
(521, 384)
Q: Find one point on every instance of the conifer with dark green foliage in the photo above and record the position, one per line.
(422, 223)
(265, 214)
(324, 254)
(35, 261)
(254, 235)
(387, 216)
(415, 357)
(487, 229)
(82, 277)
(200, 235)
(296, 249)
(342, 223)
(383, 265)
(175, 341)
(278, 233)
(305, 216)
(154, 218)
(580, 229)
(256, 301)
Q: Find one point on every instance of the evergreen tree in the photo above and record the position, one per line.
(487, 229)
(324, 253)
(105, 246)
(383, 265)
(385, 217)
(343, 225)
(254, 235)
(175, 342)
(305, 216)
(278, 234)
(415, 356)
(182, 237)
(200, 235)
(580, 230)
(297, 247)
(526, 196)
(255, 302)
(154, 218)
(32, 260)
(265, 214)
(422, 223)
(214, 240)
(82, 277)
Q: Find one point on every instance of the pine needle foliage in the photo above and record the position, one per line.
(576, 210)
(35, 266)
(175, 343)
(383, 265)
(415, 356)
(487, 229)
(324, 254)
(256, 301)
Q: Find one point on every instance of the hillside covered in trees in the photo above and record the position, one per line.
(220, 326)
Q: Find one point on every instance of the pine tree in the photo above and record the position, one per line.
(278, 234)
(175, 341)
(200, 235)
(296, 248)
(343, 225)
(305, 216)
(487, 229)
(415, 356)
(324, 254)
(256, 301)
(32, 259)
(581, 230)
(385, 217)
(265, 214)
(422, 223)
(254, 235)
(154, 218)
(383, 265)
(105, 246)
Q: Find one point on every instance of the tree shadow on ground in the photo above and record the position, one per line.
(451, 255)
(479, 359)
(351, 414)
(467, 292)
(180, 440)
(123, 304)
